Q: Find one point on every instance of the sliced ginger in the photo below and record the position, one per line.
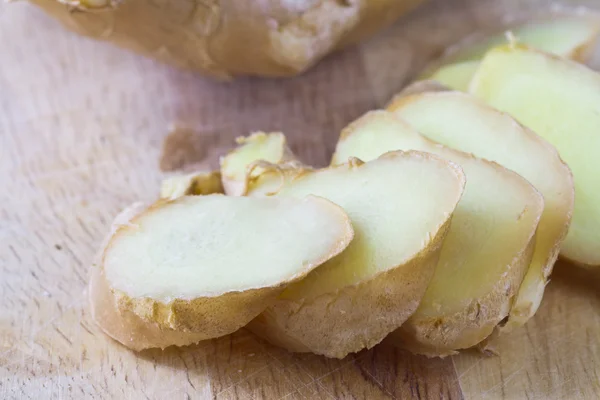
(440, 257)
(486, 252)
(462, 122)
(194, 184)
(260, 146)
(200, 267)
(568, 35)
(560, 101)
(400, 206)
(456, 76)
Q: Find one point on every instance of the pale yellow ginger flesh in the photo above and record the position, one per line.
(564, 35)
(463, 122)
(207, 265)
(400, 206)
(192, 184)
(572, 36)
(560, 101)
(456, 76)
(392, 223)
(91, 4)
(210, 245)
(486, 252)
(269, 147)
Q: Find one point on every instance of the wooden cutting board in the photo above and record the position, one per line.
(82, 132)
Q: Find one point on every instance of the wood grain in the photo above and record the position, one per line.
(82, 126)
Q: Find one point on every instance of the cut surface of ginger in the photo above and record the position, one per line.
(456, 76)
(401, 203)
(270, 147)
(488, 247)
(465, 123)
(192, 184)
(567, 35)
(400, 206)
(200, 267)
(560, 101)
(206, 246)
